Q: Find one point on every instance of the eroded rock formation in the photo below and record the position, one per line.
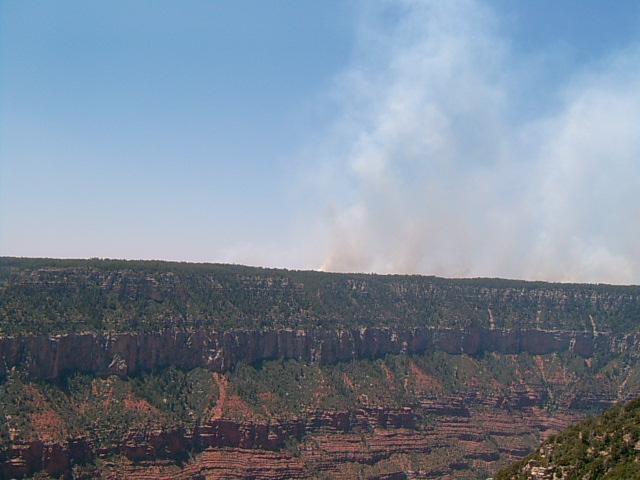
(49, 357)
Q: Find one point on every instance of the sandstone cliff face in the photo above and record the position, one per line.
(49, 357)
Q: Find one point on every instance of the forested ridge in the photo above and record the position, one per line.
(50, 296)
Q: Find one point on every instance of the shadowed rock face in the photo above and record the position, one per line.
(49, 357)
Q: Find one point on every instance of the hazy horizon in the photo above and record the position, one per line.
(460, 139)
(321, 271)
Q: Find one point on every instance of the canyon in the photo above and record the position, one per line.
(140, 370)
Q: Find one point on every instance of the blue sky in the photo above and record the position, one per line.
(300, 134)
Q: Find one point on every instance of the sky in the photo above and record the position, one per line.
(458, 138)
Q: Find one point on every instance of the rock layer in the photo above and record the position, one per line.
(329, 440)
(50, 357)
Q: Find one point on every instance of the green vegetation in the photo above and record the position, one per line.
(46, 296)
(107, 410)
(106, 407)
(290, 388)
(172, 398)
(605, 447)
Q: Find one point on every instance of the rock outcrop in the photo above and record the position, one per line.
(50, 357)
(326, 441)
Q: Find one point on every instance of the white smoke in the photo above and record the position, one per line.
(445, 175)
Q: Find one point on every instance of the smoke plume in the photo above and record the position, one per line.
(451, 160)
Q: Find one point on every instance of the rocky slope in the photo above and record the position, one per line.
(159, 370)
(605, 447)
(421, 416)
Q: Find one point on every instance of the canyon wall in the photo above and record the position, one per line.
(327, 442)
(390, 376)
(485, 430)
(49, 357)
